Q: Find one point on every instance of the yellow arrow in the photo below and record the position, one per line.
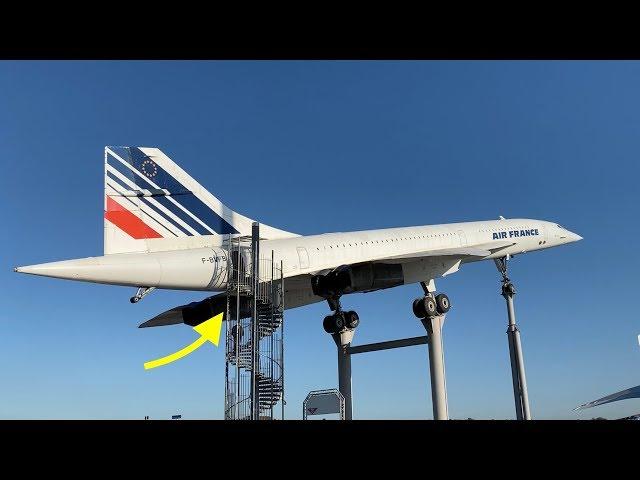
(209, 331)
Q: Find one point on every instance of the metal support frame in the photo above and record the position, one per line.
(254, 349)
(255, 343)
(343, 342)
(434, 325)
(518, 377)
(375, 347)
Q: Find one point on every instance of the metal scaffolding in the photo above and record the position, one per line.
(254, 373)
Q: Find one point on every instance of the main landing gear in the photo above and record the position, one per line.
(430, 305)
(341, 326)
(431, 310)
(340, 320)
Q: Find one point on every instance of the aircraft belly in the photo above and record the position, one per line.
(429, 268)
(297, 292)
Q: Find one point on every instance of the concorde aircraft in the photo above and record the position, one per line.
(163, 230)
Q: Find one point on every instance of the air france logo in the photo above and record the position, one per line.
(515, 233)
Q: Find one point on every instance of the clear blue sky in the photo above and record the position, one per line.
(315, 147)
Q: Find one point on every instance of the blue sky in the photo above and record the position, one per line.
(314, 147)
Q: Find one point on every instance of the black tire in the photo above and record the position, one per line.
(430, 306)
(338, 322)
(418, 308)
(351, 319)
(425, 307)
(328, 324)
(442, 303)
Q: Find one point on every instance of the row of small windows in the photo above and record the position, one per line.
(510, 227)
(418, 237)
(387, 240)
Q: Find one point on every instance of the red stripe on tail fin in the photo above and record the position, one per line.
(128, 222)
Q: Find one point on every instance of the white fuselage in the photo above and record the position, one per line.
(306, 255)
(312, 253)
(424, 253)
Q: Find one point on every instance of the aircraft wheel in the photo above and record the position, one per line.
(418, 308)
(442, 303)
(430, 306)
(425, 307)
(351, 319)
(327, 324)
(333, 323)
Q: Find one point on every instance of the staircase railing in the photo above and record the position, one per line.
(269, 368)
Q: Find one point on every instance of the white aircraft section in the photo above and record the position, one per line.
(178, 211)
(164, 230)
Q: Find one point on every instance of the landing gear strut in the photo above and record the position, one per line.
(518, 377)
(430, 305)
(341, 325)
(141, 293)
(339, 320)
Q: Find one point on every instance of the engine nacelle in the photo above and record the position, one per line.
(359, 278)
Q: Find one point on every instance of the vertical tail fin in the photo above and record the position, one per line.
(151, 203)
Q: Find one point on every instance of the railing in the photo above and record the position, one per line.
(239, 277)
(269, 315)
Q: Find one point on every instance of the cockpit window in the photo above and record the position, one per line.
(560, 226)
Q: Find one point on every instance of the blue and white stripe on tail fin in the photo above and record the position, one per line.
(153, 204)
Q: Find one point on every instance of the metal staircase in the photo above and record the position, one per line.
(254, 393)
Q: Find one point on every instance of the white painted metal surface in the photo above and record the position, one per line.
(180, 223)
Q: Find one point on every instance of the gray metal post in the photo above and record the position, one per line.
(433, 326)
(255, 339)
(519, 379)
(282, 337)
(343, 342)
(514, 375)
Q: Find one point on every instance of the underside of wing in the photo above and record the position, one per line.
(478, 251)
(614, 397)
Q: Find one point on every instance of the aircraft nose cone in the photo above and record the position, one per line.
(574, 237)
